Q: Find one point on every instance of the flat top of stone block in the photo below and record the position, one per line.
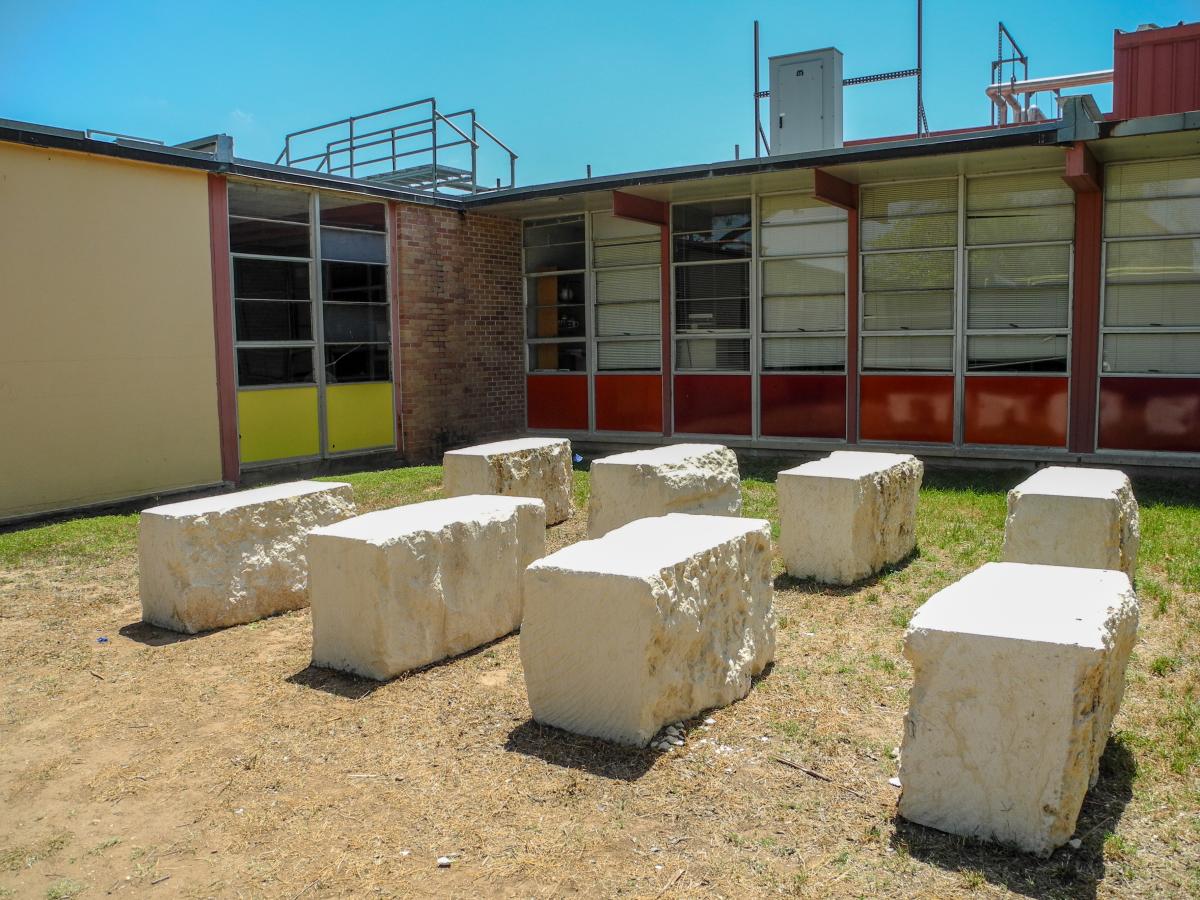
(646, 546)
(514, 446)
(1045, 604)
(849, 464)
(671, 453)
(387, 525)
(1069, 481)
(238, 499)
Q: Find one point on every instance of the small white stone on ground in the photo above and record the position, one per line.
(1075, 843)
(710, 721)
(679, 478)
(525, 467)
(1063, 516)
(1018, 671)
(845, 517)
(655, 621)
(401, 588)
(894, 782)
(232, 558)
(443, 862)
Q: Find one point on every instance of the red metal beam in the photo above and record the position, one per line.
(641, 209)
(222, 294)
(1083, 174)
(1085, 322)
(834, 191)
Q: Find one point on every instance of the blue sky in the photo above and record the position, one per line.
(621, 85)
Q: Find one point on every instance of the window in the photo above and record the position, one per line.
(555, 252)
(909, 257)
(627, 258)
(711, 251)
(1019, 231)
(803, 278)
(356, 318)
(1151, 319)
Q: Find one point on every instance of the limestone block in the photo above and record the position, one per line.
(652, 623)
(401, 588)
(1018, 672)
(527, 467)
(678, 478)
(232, 558)
(1073, 517)
(845, 517)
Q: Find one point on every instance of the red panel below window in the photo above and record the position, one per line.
(629, 403)
(557, 401)
(1017, 411)
(1157, 414)
(907, 408)
(712, 404)
(810, 406)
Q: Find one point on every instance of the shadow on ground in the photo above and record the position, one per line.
(574, 751)
(785, 582)
(1067, 873)
(153, 636)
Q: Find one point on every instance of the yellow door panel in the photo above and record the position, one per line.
(360, 416)
(278, 424)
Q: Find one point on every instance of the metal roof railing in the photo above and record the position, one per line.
(373, 145)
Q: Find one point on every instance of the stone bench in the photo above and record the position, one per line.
(232, 558)
(678, 478)
(1018, 672)
(650, 624)
(843, 518)
(401, 588)
(526, 467)
(1073, 517)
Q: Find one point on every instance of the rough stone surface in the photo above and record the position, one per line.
(679, 478)
(1018, 672)
(232, 558)
(648, 625)
(401, 588)
(845, 517)
(1073, 517)
(526, 467)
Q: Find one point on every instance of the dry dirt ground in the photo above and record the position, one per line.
(136, 761)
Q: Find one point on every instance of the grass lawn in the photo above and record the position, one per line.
(224, 765)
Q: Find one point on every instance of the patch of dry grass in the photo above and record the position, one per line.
(228, 765)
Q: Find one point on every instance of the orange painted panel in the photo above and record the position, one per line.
(812, 406)
(557, 401)
(712, 404)
(1016, 411)
(629, 403)
(1154, 414)
(907, 408)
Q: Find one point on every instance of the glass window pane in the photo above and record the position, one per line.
(712, 230)
(270, 279)
(615, 319)
(794, 209)
(272, 320)
(804, 354)
(353, 246)
(811, 275)
(345, 363)
(354, 282)
(1152, 283)
(268, 238)
(346, 323)
(1023, 207)
(808, 313)
(713, 354)
(630, 356)
(713, 297)
(907, 353)
(628, 284)
(1152, 354)
(909, 271)
(554, 244)
(275, 365)
(263, 202)
(1018, 287)
(920, 214)
(908, 311)
(556, 306)
(789, 240)
(347, 213)
(908, 291)
(1017, 353)
(558, 357)
(625, 253)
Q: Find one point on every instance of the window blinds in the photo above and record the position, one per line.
(1018, 287)
(1022, 208)
(932, 353)
(914, 214)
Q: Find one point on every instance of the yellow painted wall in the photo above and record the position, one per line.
(278, 423)
(107, 370)
(360, 416)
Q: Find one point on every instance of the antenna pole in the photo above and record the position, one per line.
(920, 101)
(757, 126)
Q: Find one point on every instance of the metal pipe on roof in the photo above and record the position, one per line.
(1004, 96)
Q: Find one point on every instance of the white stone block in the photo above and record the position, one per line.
(1073, 517)
(843, 518)
(652, 623)
(526, 467)
(232, 558)
(678, 478)
(401, 588)
(1018, 672)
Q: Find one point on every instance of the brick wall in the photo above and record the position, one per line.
(461, 371)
